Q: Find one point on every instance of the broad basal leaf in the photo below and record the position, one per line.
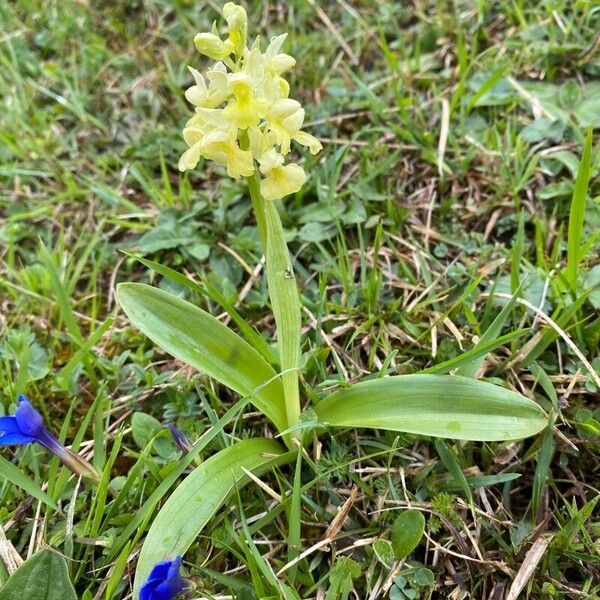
(198, 339)
(198, 497)
(436, 405)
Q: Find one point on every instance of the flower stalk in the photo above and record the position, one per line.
(285, 301)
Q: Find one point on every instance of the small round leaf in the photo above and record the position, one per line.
(407, 532)
(384, 552)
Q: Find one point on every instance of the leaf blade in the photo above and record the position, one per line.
(196, 499)
(44, 575)
(435, 405)
(198, 339)
(210, 291)
(407, 532)
(285, 303)
(16, 476)
(577, 211)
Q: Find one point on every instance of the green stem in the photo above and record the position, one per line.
(259, 213)
(285, 300)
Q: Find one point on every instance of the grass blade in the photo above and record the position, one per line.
(453, 467)
(491, 333)
(542, 469)
(577, 212)
(471, 360)
(16, 476)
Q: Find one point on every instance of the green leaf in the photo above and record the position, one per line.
(577, 212)
(436, 405)
(592, 284)
(490, 337)
(574, 525)
(542, 469)
(424, 577)
(144, 428)
(384, 552)
(43, 577)
(490, 89)
(16, 476)
(210, 291)
(471, 360)
(198, 339)
(453, 466)
(340, 578)
(285, 302)
(197, 498)
(569, 94)
(407, 532)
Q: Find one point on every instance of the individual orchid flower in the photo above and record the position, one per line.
(27, 426)
(164, 582)
(207, 138)
(285, 118)
(260, 141)
(277, 62)
(202, 95)
(246, 110)
(280, 180)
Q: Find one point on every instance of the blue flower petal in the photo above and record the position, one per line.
(30, 421)
(9, 439)
(167, 590)
(174, 567)
(147, 591)
(9, 425)
(160, 571)
(164, 581)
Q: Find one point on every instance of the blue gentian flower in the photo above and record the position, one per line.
(164, 581)
(180, 438)
(27, 426)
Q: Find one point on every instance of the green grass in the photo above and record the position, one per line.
(409, 253)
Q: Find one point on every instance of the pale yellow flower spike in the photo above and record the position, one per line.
(244, 97)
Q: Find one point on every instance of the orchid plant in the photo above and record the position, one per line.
(245, 120)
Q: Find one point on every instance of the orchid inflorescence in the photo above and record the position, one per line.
(244, 118)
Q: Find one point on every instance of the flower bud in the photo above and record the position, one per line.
(213, 46)
(237, 19)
